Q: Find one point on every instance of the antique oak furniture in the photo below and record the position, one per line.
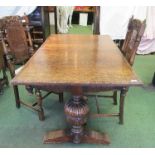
(40, 25)
(78, 64)
(132, 40)
(4, 78)
(18, 48)
(96, 29)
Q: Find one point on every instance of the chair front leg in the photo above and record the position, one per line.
(61, 98)
(39, 104)
(17, 98)
(5, 77)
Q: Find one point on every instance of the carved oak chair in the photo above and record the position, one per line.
(18, 48)
(4, 78)
(132, 40)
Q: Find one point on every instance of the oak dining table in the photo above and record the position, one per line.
(78, 64)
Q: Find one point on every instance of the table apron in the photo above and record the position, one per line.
(80, 89)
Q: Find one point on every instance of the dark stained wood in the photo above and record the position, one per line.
(18, 48)
(4, 79)
(133, 37)
(18, 45)
(55, 19)
(121, 107)
(40, 25)
(76, 111)
(89, 136)
(96, 29)
(1, 56)
(79, 64)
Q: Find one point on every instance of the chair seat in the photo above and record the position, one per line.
(19, 69)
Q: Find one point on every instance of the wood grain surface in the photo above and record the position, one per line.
(84, 60)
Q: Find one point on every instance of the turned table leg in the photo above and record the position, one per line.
(76, 111)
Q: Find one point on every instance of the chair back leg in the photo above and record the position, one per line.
(61, 98)
(115, 97)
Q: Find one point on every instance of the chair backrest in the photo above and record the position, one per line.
(132, 40)
(16, 38)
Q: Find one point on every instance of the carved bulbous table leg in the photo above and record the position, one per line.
(76, 111)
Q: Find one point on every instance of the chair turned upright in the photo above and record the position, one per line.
(135, 31)
(18, 48)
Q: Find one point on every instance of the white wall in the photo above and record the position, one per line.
(15, 10)
(114, 21)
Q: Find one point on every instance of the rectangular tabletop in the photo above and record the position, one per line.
(77, 60)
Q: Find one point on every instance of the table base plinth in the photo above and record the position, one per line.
(90, 136)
